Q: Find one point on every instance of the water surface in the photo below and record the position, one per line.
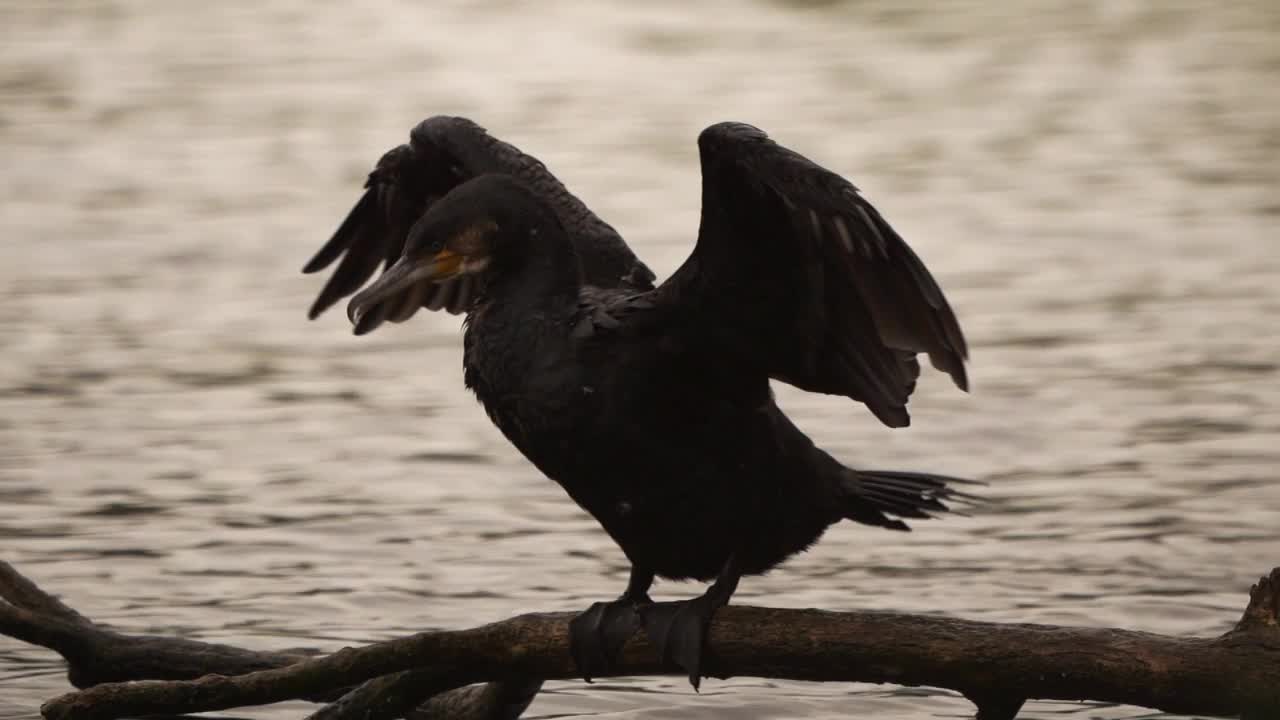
(1094, 184)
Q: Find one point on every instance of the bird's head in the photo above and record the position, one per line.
(482, 227)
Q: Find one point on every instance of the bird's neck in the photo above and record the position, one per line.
(546, 280)
(518, 333)
(519, 357)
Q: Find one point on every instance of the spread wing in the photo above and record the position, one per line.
(442, 153)
(796, 271)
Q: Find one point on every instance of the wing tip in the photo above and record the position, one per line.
(316, 264)
(370, 320)
(895, 416)
(960, 376)
(952, 362)
(322, 303)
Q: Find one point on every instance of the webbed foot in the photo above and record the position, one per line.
(598, 634)
(678, 630)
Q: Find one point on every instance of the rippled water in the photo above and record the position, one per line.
(1095, 185)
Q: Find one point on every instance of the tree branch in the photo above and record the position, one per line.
(420, 695)
(995, 665)
(96, 654)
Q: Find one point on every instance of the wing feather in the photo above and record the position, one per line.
(806, 273)
(442, 153)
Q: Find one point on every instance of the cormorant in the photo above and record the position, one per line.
(651, 406)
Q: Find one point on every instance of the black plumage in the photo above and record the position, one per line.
(652, 406)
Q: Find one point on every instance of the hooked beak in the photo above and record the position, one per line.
(405, 273)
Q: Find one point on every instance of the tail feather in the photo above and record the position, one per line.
(883, 497)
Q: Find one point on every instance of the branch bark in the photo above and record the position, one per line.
(998, 666)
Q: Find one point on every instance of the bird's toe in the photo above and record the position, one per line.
(679, 632)
(597, 635)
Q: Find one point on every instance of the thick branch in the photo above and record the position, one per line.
(996, 664)
(96, 654)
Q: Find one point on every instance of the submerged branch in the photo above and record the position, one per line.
(997, 666)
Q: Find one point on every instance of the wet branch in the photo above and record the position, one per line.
(997, 666)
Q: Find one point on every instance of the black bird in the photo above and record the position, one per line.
(651, 406)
